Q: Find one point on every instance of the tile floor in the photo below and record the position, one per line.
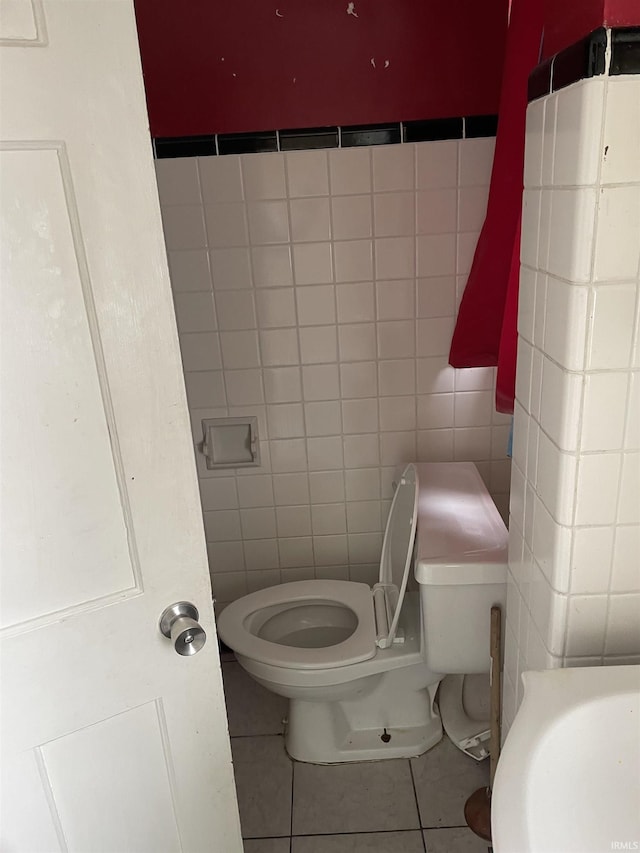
(395, 806)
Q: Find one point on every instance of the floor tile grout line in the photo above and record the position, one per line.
(293, 782)
(415, 796)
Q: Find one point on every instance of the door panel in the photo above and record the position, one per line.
(110, 740)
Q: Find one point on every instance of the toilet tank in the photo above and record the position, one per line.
(460, 566)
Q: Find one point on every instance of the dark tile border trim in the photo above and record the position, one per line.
(307, 138)
(587, 58)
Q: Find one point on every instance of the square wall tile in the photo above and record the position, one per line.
(279, 347)
(293, 521)
(355, 303)
(476, 161)
(351, 217)
(244, 387)
(200, 351)
(435, 375)
(310, 220)
(622, 635)
(235, 310)
(436, 255)
(565, 323)
(617, 245)
(228, 557)
(555, 479)
(629, 499)
(320, 382)
(591, 560)
(597, 488)
(291, 489)
(350, 170)
(353, 260)
(396, 339)
(620, 162)
(318, 344)
(307, 173)
(472, 208)
(330, 550)
(328, 518)
(296, 559)
(357, 342)
(358, 379)
(437, 164)
(323, 418)
(316, 305)
(288, 456)
(625, 575)
(189, 270)
(183, 227)
(533, 144)
(362, 484)
(268, 222)
(276, 307)
(361, 451)
(394, 214)
(434, 336)
(285, 421)
(436, 211)
(571, 233)
(325, 454)
(561, 404)
(205, 389)
(312, 263)
(255, 490)
(360, 416)
(326, 487)
(394, 257)
(586, 624)
(263, 176)
(603, 413)
(272, 266)
(577, 134)
(396, 378)
(194, 312)
(226, 225)
(397, 413)
(393, 168)
(282, 384)
(220, 179)
(396, 300)
(230, 269)
(178, 181)
(612, 326)
(240, 349)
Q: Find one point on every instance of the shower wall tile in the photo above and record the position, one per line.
(575, 508)
(294, 278)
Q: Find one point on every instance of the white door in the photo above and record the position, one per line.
(110, 740)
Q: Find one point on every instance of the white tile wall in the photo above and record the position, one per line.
(574, 582)
(297, 299)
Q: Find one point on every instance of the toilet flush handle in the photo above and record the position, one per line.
(179, 623)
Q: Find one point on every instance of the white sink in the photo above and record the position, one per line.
(568, 779)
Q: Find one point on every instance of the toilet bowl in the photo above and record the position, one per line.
(354, 661)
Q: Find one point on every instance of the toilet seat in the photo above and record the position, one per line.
(235, 624)
(377, 611)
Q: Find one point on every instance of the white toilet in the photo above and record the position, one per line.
(361, 666)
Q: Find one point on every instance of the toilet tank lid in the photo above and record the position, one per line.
(461, 537)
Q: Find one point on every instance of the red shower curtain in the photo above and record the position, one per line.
(485, 332)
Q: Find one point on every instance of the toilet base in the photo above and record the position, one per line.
(395, 719)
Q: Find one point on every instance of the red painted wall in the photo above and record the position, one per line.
(245, 65)
(567, 21)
